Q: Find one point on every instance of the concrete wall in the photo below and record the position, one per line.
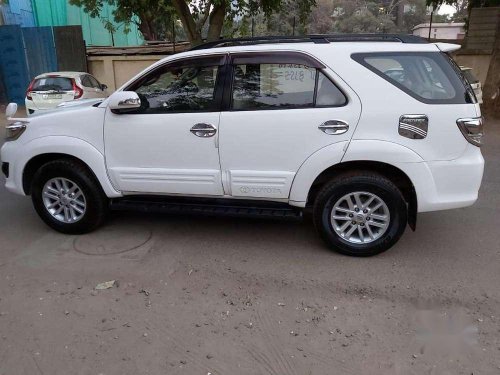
(114, 71)
(450, 31)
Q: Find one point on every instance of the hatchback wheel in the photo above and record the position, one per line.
(360, 214)
(68, 197)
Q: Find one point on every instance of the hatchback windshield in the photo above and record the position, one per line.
(53, 83)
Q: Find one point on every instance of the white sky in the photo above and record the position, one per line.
(446, 9)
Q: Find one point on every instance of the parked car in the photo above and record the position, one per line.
(474, 83)
(49, 90)
(265, 127)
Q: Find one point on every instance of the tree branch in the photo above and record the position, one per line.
(188, 21)
(206, 13)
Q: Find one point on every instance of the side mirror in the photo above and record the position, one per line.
(104, 87)
(10, 110)
(124, 101)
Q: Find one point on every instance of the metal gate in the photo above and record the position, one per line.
(13, 65)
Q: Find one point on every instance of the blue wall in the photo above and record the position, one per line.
(18, 12)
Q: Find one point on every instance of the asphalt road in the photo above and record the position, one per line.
(226, 296)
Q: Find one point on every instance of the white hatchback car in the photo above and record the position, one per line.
(266, 127)
(49, 90)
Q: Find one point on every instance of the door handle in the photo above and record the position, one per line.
(334, 127)
(203, 130)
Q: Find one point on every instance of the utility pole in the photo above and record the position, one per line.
(430, 24)
(173, 35)
(252, 26)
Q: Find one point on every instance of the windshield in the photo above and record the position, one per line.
(53, 83)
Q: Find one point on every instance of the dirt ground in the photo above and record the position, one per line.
(224, 296)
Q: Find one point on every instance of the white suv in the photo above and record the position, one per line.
(365, 130)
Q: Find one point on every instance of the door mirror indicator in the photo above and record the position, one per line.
(124, 101)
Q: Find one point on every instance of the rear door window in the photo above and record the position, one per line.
(94, 82)
(427, 76)
(282, 86)
(53, 84)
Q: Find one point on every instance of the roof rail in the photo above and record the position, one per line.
(315, 38)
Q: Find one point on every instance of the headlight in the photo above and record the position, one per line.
(14, 131)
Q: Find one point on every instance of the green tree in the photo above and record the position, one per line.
(152, 17)
(199, 18)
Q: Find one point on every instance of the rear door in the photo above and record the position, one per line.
(280, 109)
(48, 92)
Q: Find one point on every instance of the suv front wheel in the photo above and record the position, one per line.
(68, 198)
(360, 214)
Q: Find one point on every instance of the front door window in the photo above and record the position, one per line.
(188, 88)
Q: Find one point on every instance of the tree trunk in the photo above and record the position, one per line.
(184, 13)
(491, 89)
(147, 30)
(216, 21)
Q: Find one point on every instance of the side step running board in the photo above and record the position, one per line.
(208, 208)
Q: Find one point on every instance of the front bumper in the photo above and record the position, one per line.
(8, 156)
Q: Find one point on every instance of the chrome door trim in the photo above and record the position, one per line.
(334, 127)
(203, 130)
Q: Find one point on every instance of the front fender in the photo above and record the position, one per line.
(72, 146)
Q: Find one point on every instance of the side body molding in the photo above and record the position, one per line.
(71, 146)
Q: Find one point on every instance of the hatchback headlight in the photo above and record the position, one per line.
(14, 131)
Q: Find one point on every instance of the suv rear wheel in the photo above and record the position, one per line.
(68, 198)
(360, 214)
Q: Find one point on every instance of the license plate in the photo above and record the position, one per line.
(52, 96)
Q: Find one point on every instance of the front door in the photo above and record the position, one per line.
(283, 107)
(170, 144)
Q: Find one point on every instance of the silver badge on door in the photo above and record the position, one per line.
(413, 126)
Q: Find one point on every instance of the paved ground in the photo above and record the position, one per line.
(219, 296)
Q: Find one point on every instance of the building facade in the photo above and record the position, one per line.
(32, 13)
(445, 31)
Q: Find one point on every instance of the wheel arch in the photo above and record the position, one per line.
(36, 162)
(47, 149)
(389, 171)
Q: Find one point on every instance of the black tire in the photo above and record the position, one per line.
(97, 203)
(360, 181)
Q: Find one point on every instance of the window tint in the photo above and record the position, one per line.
(53, 83)
(427, 76)
(470, 76)
(86, 81)
(266, 86)
(328, 94)
(94, 82)
(178, 89)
